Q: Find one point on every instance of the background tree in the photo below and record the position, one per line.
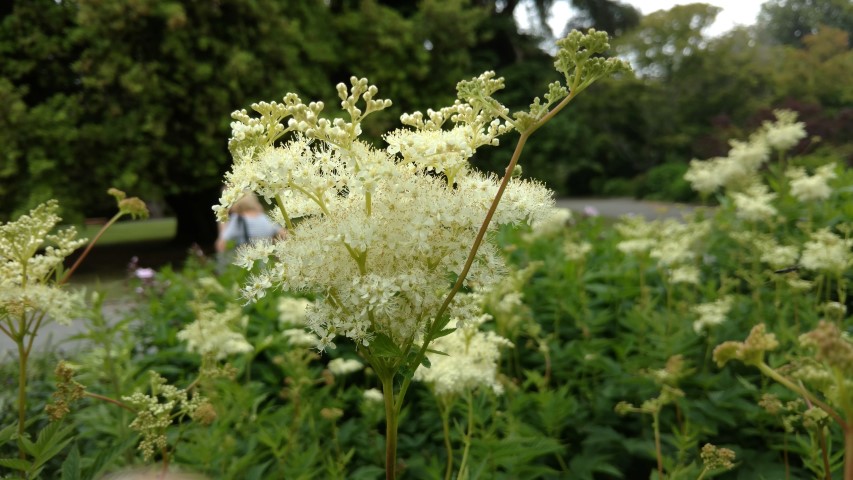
(789, 21)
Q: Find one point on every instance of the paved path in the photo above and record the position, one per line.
(54, 337)
(614, 207)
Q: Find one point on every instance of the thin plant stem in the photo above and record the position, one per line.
(824, 454)
(463, 466)
(658, 451)
(390, 426)
(767, 370)
(109, 400)
(22, 387)
(89, 248)
(444, 411)
(481, 234)
(848, 453)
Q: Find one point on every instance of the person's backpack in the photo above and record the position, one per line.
(243, 229)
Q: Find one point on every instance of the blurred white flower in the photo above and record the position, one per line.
(471, 362)
(827, 252)
(755, 203)
(807, 188)
(373, 395)
(711, 314)
(342, 366)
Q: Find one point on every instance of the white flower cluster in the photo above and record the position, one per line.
(673, 244)
(471, 361)
(754, 203)
(27, 271)
(815, 187)
(737, 170)
(381, 230)
(826, 252)
(344, 366)
(215, 332)
(291, 318)
(711, 314)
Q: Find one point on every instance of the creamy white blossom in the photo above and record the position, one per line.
(785, 132)
(755, 203)
(807, 188)
(381, 230)
(344, 366)
(373, 395)
(684, 274)
(29, 258)
(827, 252)
(471, 362)
(216, 331)
(711, 314)
(292, 311)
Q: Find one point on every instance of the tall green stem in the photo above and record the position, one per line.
(390, 426)
(463, 467)
(22, 382)
(658, 451)
(848, 454)
(444, 410)
(88, 249)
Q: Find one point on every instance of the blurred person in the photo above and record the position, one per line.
(247, 223)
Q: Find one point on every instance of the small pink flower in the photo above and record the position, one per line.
(144, 273)
(590, 211)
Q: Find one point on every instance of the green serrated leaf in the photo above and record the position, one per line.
(438, 352)
(71, 465)
(106, 457)
(444, 333)
(50, 452)
(16, 464)
(7, 433)
(383, 346)
(27, 446)
(425, 362)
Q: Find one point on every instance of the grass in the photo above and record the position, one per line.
(132, 231)
(105, 269)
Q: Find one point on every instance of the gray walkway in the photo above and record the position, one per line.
(54, 337)
(615, 207)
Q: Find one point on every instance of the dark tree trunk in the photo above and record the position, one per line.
(196, 223)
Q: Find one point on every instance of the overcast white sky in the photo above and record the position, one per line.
(735, 12)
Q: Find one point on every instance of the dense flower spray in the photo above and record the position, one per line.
(386, 237)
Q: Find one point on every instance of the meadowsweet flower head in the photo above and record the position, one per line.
(717, 458)
(373, 395)
(344, 366)
(711, 314)
(155, 412)
(775, 255)
(755, 203)
(827, 252)
(394, 223)
(640, 235)
(291, 311)
(830, 347)
(576, 251)
(215, 331)
(750, 351)
(29, 258)
(806, 188)
(471, 362)
(785, 132)
(554, 223)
